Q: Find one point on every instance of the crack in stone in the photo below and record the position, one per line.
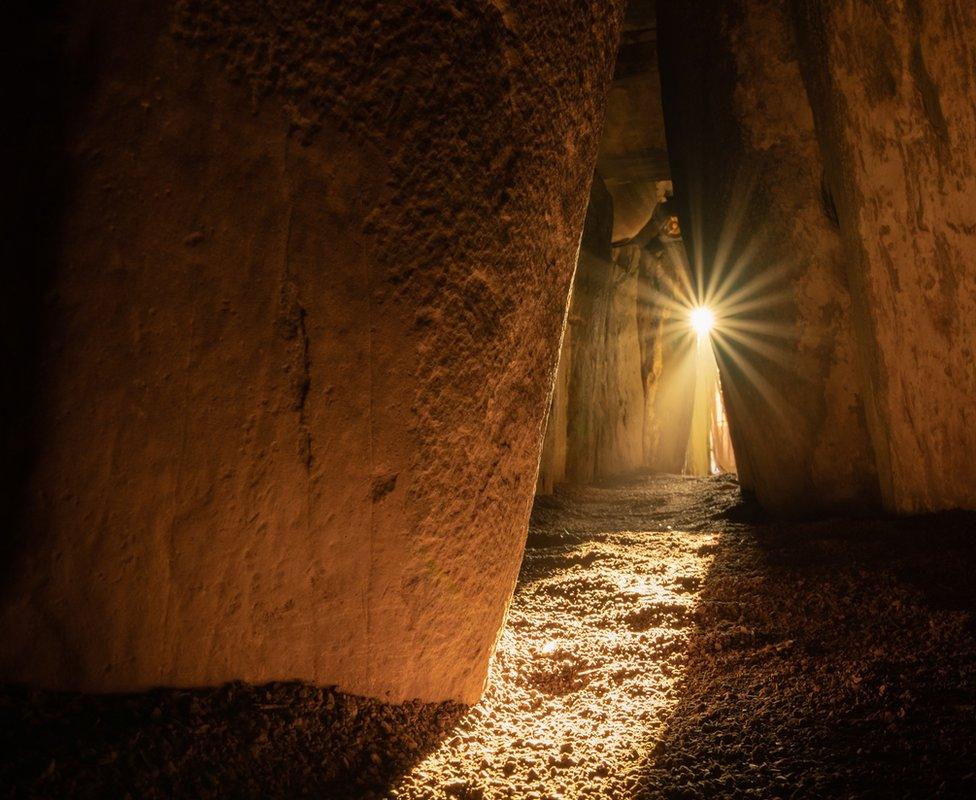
(304, 385)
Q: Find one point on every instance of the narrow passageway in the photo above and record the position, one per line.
(664, 643)
(442, 400)
(594, 645)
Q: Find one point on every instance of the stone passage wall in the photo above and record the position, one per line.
(605, 398)
(824, 154)
(748, 178)
(891, 85)
(625, 387)
(302, 329)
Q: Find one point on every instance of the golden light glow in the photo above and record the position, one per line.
(672, 227)
(585, 675)
(751, 337)
(702, 320)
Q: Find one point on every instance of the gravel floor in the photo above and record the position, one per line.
(663, 641)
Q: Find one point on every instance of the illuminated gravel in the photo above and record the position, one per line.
(587, 664)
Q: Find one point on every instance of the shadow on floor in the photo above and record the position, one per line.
(829, 659)
(282, 740)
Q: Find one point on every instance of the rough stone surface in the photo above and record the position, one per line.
(309, 287)
(605, 399)
(767, 254)
(891, 85)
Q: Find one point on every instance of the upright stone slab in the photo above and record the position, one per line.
(892, 85)
(299, 339)
(761, 237)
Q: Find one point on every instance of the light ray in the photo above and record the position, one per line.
(780, 330)
(774, 353)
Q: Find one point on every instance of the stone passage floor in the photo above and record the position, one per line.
(664, 642)
(662, 645)
(593, 649)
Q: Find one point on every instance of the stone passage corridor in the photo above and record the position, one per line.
(663, 642)
(488, 399)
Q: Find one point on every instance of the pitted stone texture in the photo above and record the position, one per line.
(298, 363)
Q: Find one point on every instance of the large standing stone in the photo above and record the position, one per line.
(310, 281)
(892, 86)
(606, 395)
(748, 178)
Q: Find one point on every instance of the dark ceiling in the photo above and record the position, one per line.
(633, 153)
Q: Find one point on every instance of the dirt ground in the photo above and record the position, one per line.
(664, 642)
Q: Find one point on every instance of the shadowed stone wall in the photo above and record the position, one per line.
(891, 86)
(823, 154)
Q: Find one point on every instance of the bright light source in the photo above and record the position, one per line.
(702, 320)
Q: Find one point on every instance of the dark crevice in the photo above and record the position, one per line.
(827, 200)
(930, 95)
(291, 328)
(304, 385)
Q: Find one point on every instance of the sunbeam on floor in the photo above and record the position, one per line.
(585, 671)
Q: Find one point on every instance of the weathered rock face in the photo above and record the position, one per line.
(595, 246)
(303, 326)
(748, 175)
(606, 399)
(891, 86)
